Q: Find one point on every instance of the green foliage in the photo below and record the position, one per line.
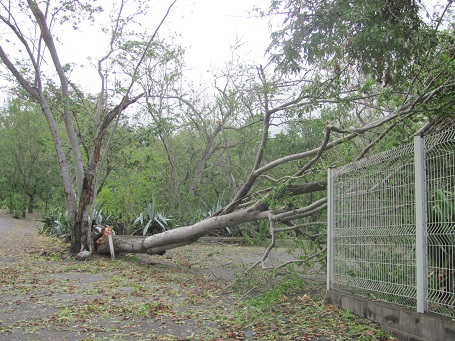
(214, 208)
(307, 242)
(28, 177)
(256, 233)
(265, 289)
(442, 207)
(137, 168)
(375, 35)
(366, 39)
(441, 224)
(16, 205)
(441, 242)
(97, 215)
(151, 221)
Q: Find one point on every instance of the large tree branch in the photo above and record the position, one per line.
(351, 134)
(185, 235)
(46, 35)
(125, 102)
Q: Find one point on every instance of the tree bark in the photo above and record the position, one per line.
(158, 243)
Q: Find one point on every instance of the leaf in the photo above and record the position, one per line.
(151, 209)
(444, 206)
(146, 228)
(162, 221)
(139, 219)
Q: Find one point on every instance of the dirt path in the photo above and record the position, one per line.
(17, 237)
(185, 295)
(6, 223)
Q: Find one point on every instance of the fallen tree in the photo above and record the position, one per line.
(244, 208)
(362, 110)
(181, 236)
(158, 243)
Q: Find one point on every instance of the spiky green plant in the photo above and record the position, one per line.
(55, 223)
(151, 220)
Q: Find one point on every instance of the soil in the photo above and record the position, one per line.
(198, 292)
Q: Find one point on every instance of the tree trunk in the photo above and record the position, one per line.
(31, 203)
(159, 243)
(130, 244)
(185, 235)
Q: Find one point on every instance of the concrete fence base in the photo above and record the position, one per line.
(402, 322)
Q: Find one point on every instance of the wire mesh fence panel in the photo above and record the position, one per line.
(440, 177)
(374, 227)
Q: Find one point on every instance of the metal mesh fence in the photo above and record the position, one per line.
(373, 229)
(440, 175)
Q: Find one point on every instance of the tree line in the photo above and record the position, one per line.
(344, 79)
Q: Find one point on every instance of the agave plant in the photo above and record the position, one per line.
(55, 223)
(151, 220)
(215, 207)
(97, 215)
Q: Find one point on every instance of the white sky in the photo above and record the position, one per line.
(211, 26)
(208, 29)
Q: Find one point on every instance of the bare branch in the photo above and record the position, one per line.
(318, 205)
(378, 139)
(319, 153)
(23, 82)
(296, 261)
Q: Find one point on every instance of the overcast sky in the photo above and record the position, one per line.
(208, 29)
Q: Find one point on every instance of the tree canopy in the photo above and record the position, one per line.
(345, 78)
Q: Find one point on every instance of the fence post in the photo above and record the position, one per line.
(329, 228)
(421, 228)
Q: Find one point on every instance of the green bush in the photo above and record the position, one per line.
(16, 205)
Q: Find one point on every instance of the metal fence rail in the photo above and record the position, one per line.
(373, 245)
